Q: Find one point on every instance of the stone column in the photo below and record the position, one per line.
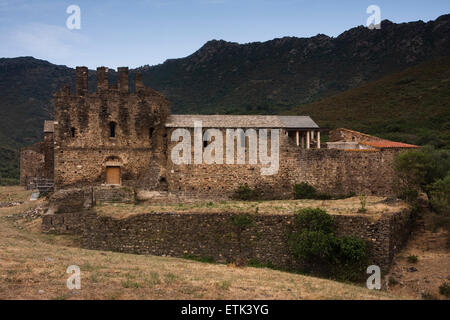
(318, 139)
(122, 79)
(308, 137)
(138, 83)
(297, 137)
(81, 80)
(102, 79)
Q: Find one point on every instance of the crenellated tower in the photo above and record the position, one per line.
(110, 136)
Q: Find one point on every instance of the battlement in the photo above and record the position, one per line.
(103, 85)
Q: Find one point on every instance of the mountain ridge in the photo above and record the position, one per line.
(267, 77)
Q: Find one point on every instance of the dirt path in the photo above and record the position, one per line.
(421, 279)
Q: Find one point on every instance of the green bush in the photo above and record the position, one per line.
(314, 219)
(304, 190)
(352, 249)
(440, 195)
(245, 193)
(312, 246)
(313, 243)
(242, 221)
(412, 259)
(444, 289)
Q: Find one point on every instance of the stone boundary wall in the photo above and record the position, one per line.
(331, 171)
(214, 236)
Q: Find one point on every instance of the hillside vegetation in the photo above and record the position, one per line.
(272, 76)
(411, 106)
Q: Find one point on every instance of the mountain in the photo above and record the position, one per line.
(267, 77)
(224, 77)
(411, 106)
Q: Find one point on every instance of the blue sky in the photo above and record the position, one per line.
(138, 32)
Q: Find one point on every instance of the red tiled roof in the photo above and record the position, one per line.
(388, 144)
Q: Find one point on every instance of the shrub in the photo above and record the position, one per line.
(412, 259)
(440, 195)
(242, 221)
(304, 190)
(352, 249)
(362, 201)
(312, 246)
(244, 193)
(314, 219)
(392, 281)
(444, 289)
(408, 194)
(313, 243)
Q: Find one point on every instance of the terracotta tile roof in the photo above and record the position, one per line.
(387, 144)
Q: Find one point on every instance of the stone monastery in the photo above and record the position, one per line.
(115, 138)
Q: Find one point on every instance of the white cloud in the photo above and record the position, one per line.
(49, 41)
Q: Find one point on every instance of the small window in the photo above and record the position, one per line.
(150, 133)
(72, 132)
(112, 129)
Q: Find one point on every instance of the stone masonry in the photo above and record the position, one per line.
(122, 138)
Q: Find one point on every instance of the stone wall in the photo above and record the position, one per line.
(214, 235)
(342, 134)
(111, 194)
(112, 127)
(329, 170)
(31, 163)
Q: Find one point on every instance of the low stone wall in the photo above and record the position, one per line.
(113, 194)
(214, 235)
(65, 223)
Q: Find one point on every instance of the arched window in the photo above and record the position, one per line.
(72, 132)
(112, 129)
(150, 133)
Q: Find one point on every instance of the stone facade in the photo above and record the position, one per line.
(329, 170)
(110, 128)
(118, 137)
(179, 235)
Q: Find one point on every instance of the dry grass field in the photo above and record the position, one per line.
(33, 266)
(376, 206)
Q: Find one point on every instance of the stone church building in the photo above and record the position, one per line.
(115, 137)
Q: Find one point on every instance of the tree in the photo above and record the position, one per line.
(418, 169)
(440, 195)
